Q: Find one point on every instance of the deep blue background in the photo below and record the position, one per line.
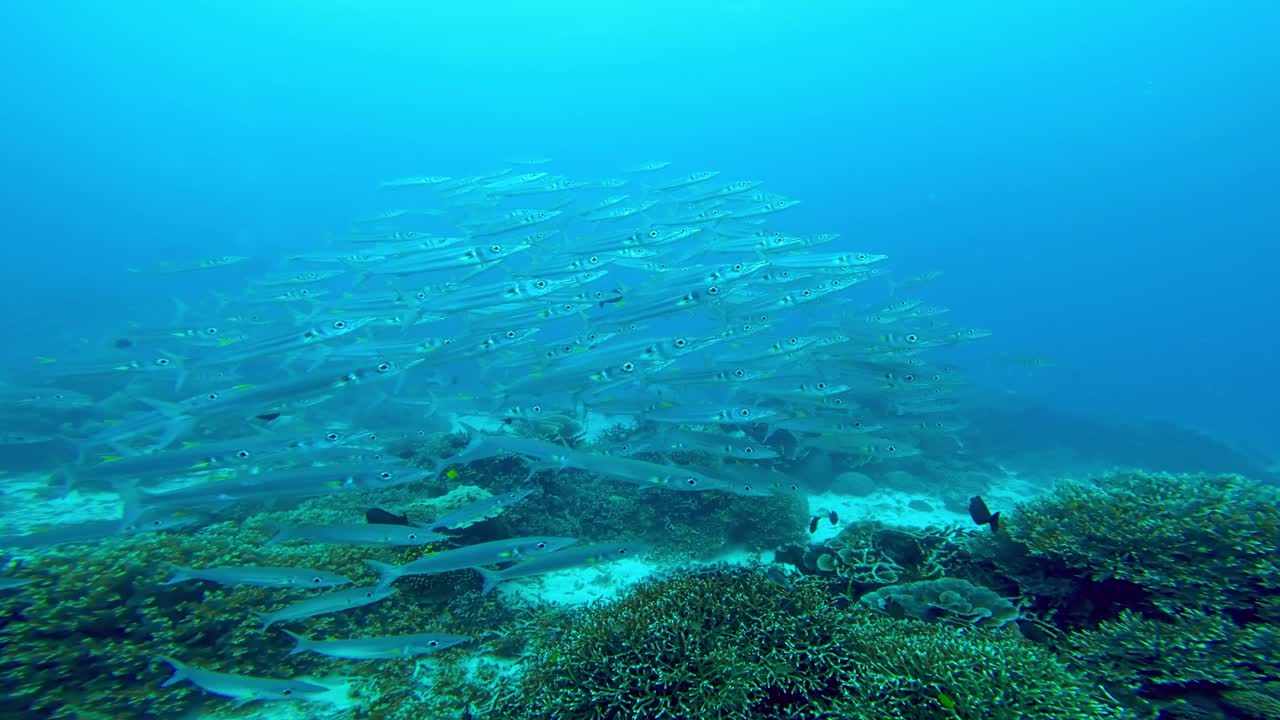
(1098, 180)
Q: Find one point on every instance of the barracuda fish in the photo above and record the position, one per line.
(278, 577)
(326, 603)
(477, 511)
(9, 583)
(309, 277)
(486, 553)
(241, 688)
(194, 266)
(648, 167)
(585, 556)
(357, 534)
(690, 179)
(415, 181)
(378, 648)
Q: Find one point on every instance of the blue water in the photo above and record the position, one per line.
(1097, 180)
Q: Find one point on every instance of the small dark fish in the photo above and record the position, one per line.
(982, 515)
(378, 516)
(268, 417)
(813, 522)
(123, 343)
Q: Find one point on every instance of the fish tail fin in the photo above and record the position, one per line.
(491, 579)
(995, 522)
(387, 573)
(303, 644)
(180, 574)
(281, 535)
(267, 621)
(180, 672)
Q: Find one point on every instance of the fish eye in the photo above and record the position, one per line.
(536, 408)
(748, 450)
(794, 486)
(422, 433)
(226, 258)
(737, 266)
(287, 691)
(937, 377)
(892, 448)
(653, 233)
(316, 580)
(540, 284)
(242, 454)
(857, 423)
(510, 334)
(628, 367)
(383, 367)
(339, 324)
(821, 386)
(739, 373)
(162, 361)
(59, 396)
(541, 546)
(622, 551)
(413, 536)
(912, 338)
(625, 447)
(211, 331)
(747, 488)
(331, 437)
(411, 234)
(806, 292)
(835, 283)
(909, 377)
(495, 248)
(384, 475)
(713, 290)
(432, 643)
(422, 296)
(304, 291)
(680, 342)
(593, 259)
(744, 413)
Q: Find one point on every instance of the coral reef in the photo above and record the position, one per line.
(731, 644)
(76, 641)
(1163, 587)
(1208, 543)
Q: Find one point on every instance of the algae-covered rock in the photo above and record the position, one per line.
(944, 598)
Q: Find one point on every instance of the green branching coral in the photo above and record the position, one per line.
(731, 644)
(1163, 587)
(1145, 660)
(1209, 543)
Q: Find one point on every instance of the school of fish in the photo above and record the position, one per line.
(530, 311)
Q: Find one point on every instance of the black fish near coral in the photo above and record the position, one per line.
(378, 516)
(982, 515)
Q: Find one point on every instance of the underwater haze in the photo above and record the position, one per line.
(1097, 181)
(414, 359)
